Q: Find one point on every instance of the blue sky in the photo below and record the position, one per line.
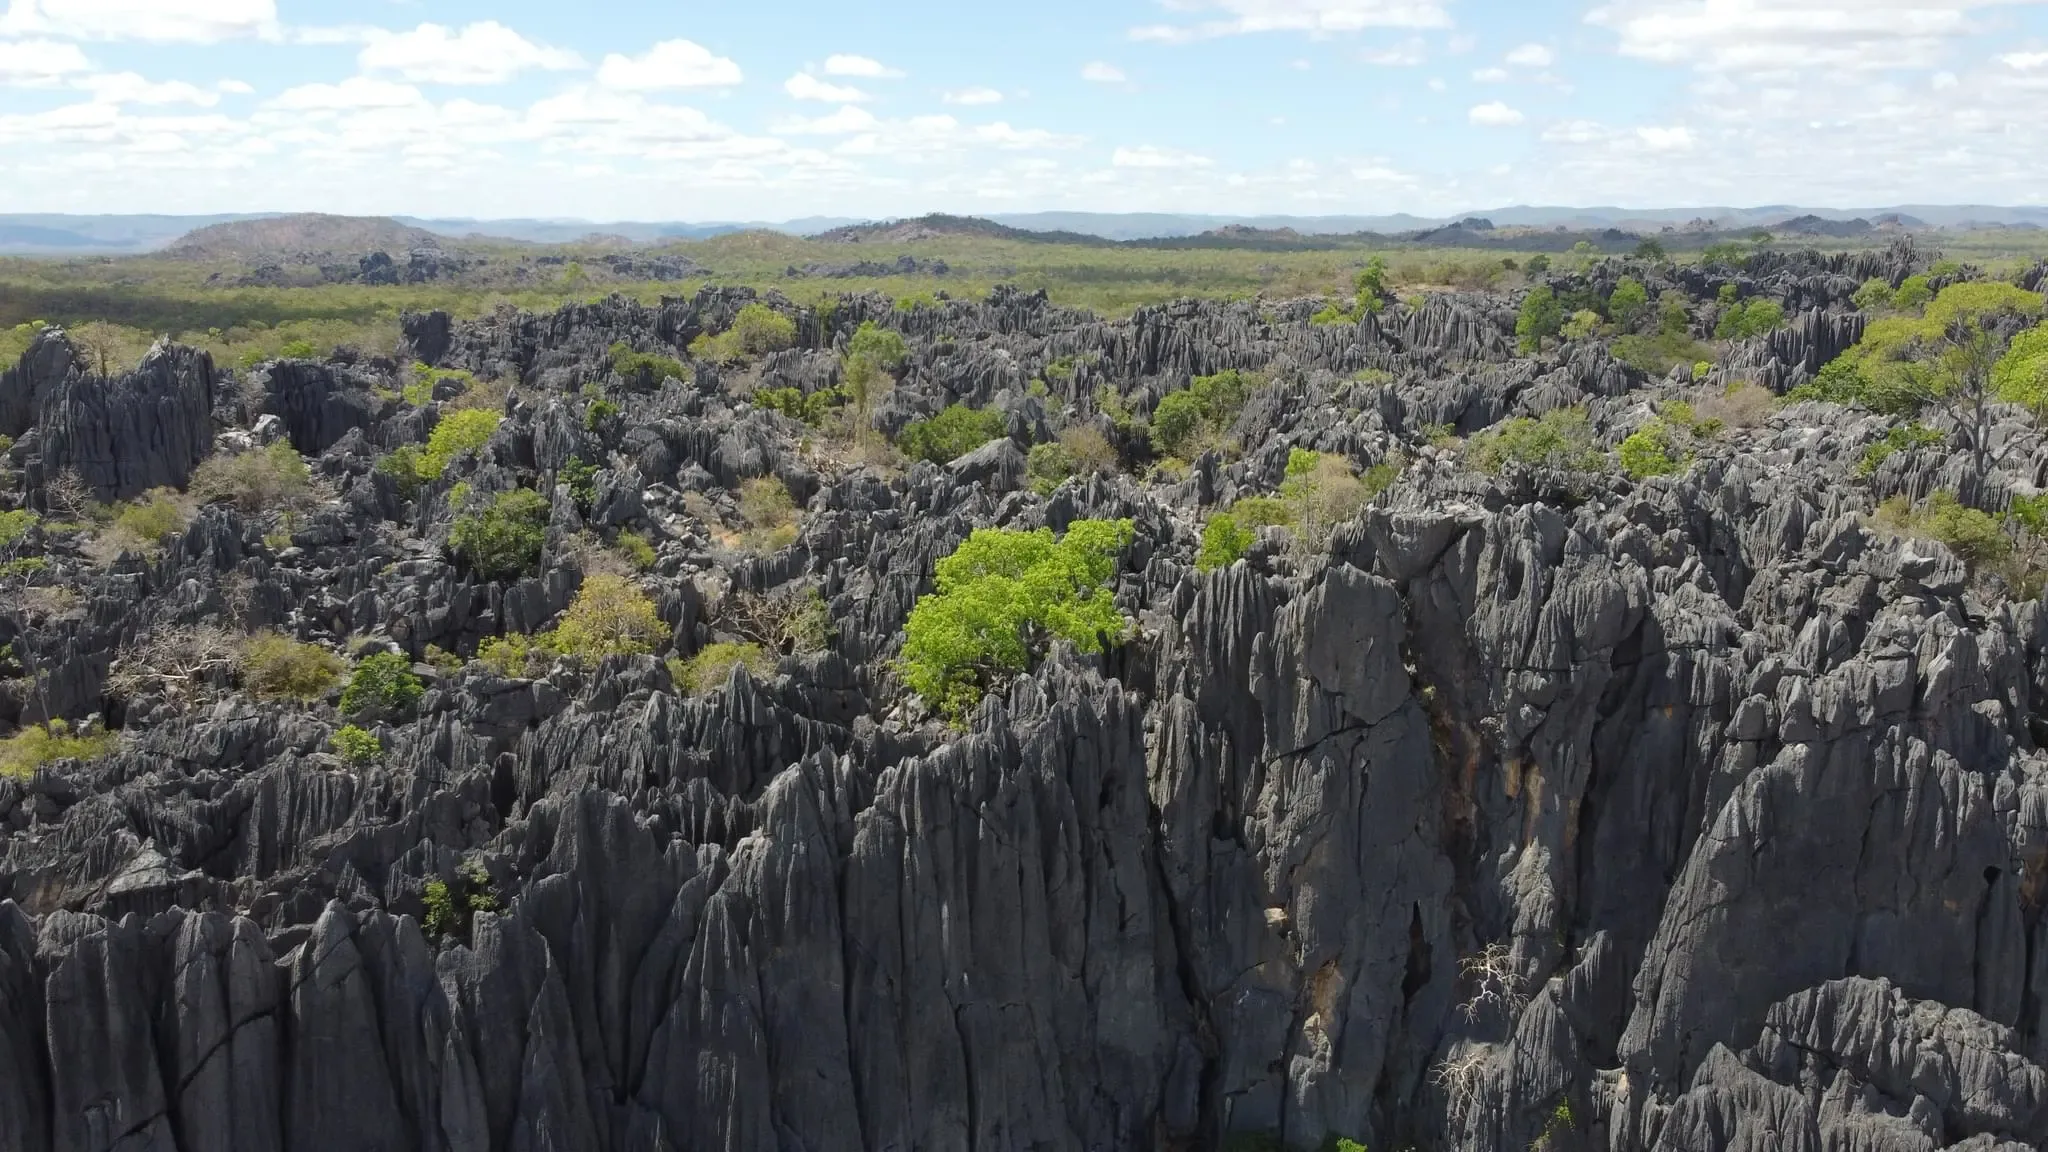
(639, 109)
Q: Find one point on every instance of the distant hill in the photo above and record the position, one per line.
(939, 226)
(303, 232)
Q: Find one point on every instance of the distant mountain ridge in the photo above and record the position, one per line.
(61, 234)
(301, 232)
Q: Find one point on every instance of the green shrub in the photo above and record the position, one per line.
(636, 549)
(357, 746)
(1657, 355)
(1561, 439)
(611, 616)
(504, 540)
(275, 666)
(451, 910)
(771, 514)
(1001, 598)
(1749, 320)
(1256, 512)
(645, 369)
(515, 656)
(1187, 420)
(15, 525)
(580, 478)
(1629, 303)
(756, 331)
(951, 434)
(142, 525)
(1875, 294)
(383, 683)
(255, 482)
(791, 402)
(1541, 318)
(1321, 492)
(29, 749)
(1224, 542)
(1651, 450)
(457, 435)
(1915, 292)
(1974, 536)
(1903, 438)
(298, 350)
(1049, 466)
(712, 666)
(882, 347)
(1583, 324)
(599, 412)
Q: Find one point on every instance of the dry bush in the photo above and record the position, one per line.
(256, 482)
(1496, 982)
(791, 619)
(1091, 451)
(1744, 405)
(141, 526)
(771, 514)
(40, 603)
(1459, 1078)
(178, 663)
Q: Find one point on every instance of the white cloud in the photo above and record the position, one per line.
(1405, 55)
(485, 53)
(972, 96)
(129, 88)
(1495, 114)
(39, 63)
(846, 121)
(1532, 56)
(2024, 61)
(1436, 84)
(1675, 139)
(356, 92)
(1097, 72)
(1782, 35)
(174, 21)
(669, 64)
(804, 86)
(1490, 75)
(1241, 17)
(1147, 156)
(861, 67)
(235, 87)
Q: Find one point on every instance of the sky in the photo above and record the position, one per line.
(684, 110)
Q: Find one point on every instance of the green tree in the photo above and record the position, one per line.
(1560, 439)
(357, 746)
(1628, 304)
(951, 434)
(611, 616)
(504, 540)
(1000, 600)
(384, 684)
(1224, 542)
(1582, 325)
(873, 356)
(276, 666)
(1651, 249)
(1651, 451)
(2021, 376)
(1542, 317)
(1748, 320)
(458, 434)
(1875, 295)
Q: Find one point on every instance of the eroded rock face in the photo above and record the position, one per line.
(1693, 813)
(126, 434)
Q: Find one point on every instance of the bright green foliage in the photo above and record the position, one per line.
(1583, 323)
(2021, 375)
(515, 656)
(599, 412)
(1915, 292)
(1001, 598)
(1903, 438)
(636, 549)
(1049, 466)
(457, 435)
(1875, 295)
(611, 616)
(31, 748)
(504, 540)
(298, 350)
(951, 434)
(579, 476)
(756, 331)
(712, 666)
(450, 910)
(882, 347)
(1257, 512)
(1542, 317)
(15, 525)
(142, 525)
(1560, 439)
(1185, 420)
(383, 683)
(1975, 538)
(255, 482)
(1901, 365)
(647, 369)
(1369, 296)
(1629, 303)
(275, 666)
(1224, 542)
(1749, 320)
(1651, 451)
(357, 746)
(792, 402)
